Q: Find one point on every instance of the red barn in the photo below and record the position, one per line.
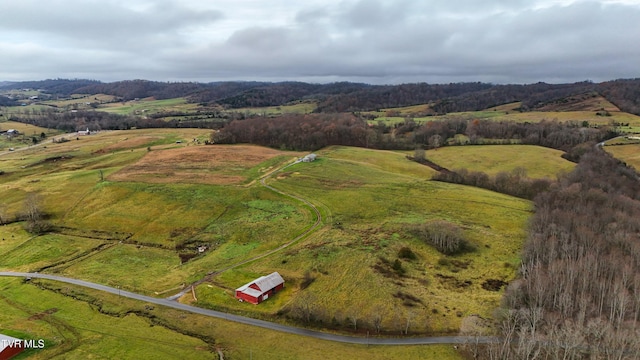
(9, 347)
(260, 289)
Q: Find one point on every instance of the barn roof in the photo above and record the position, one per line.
(265, 283)
(270, 281)
(249, 291)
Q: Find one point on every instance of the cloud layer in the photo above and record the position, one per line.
(374, 41)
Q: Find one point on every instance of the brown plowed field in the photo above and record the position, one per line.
(212, 164)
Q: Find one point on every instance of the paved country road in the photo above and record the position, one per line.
(260, 323)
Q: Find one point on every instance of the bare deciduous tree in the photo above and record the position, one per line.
(377, 317)
(34, 215)
(304, 305)
(353, 314)
(3, 214)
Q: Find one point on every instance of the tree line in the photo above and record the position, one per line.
(348, 97)
(98, 120)
(579, 292)
(314, 131)
(514, 183)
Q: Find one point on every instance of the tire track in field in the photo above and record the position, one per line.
(305, 233)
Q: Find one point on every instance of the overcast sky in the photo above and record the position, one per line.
(372, 41)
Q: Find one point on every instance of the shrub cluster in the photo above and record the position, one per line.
(447, 237)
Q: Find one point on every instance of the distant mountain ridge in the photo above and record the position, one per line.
(349, 97)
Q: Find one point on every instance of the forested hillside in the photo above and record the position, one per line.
(314, 131)
(579, 295)
(349, 97)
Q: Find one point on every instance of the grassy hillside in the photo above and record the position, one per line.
(595, 110)
(27, 132)
(74, 329)
(302, 107)
(78, 323)
(372, 199)
(130, 208)
(538, 162)
(157, 201)
(148, 106)
(629, 153)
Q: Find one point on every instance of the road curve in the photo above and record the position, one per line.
(260, 323)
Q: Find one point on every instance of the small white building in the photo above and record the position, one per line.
(309, 158)
(84, 132)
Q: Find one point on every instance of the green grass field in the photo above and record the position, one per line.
(24, 139)
(124, 218)
(74, 329)
(155, 220)
(78, 323)
(629, 153)
(148, 106)
(373, 198)
(539, 162)
(303, 107)
(584, 111)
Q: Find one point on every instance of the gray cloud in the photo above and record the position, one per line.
(377, 41)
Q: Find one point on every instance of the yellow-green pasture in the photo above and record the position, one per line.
(26, 129)
(152, 222)
(149, 106)
(372, 202)
(24, 139)
(130, 233)
(629, 153)
(539, 162)
(532, 116)
(81, 101)
(74, 329)
(78, 323)
(301, 107)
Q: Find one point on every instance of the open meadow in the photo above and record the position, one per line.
(154, 215)
(78, 323)
(629, 153)
(538, 162)
(596, 111)
(151, 211)
(300, 107)
(372, 199)
(25, 138)
(148, 106)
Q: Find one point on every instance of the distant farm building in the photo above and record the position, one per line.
(84, 132)
(9, 347)
(13, 132)
(260, 289)
(309, 158)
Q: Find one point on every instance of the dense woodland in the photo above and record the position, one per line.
(99, 120)
(579, 292)
(341, 97)
(314, 131)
